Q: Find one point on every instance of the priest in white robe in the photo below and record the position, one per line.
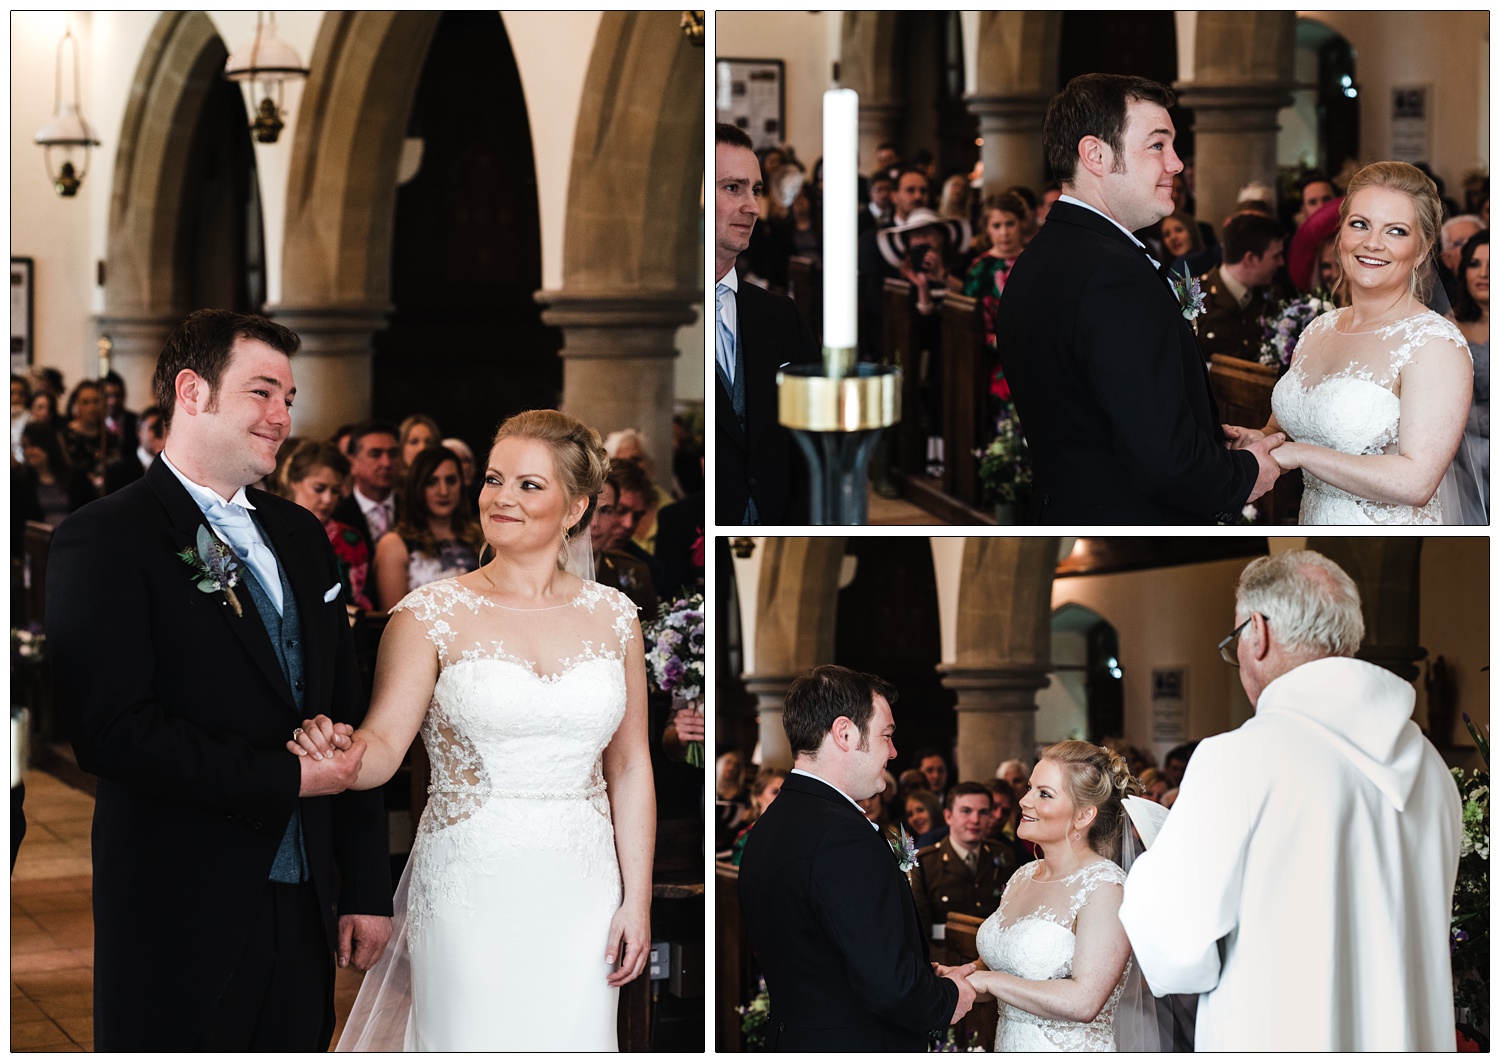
(1303, 881)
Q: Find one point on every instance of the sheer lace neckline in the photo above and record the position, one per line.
(1080, 869)
(1347, 313)
(489, 600)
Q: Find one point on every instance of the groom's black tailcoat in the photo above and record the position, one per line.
(182, 711)
(833, 923)
(1109, 385)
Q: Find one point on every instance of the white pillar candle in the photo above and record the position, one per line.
(840, 218)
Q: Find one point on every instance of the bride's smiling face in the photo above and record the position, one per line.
(1380, 243)
(522, 501)
(1047, 809)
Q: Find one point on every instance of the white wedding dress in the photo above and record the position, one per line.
(1031, 937)
(504, 910)
(1352, 406)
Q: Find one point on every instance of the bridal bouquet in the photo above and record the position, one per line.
(674, 656)
(1470, 933)
(1005, 465)
(1285, 324)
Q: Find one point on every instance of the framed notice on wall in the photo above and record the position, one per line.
(1410, 123)
(1169, 704)
(751, 94)
(22, 300)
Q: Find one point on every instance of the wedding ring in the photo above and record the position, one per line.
(296, 734)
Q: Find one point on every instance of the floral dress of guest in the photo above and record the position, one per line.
(453, 558)
(353, 556)
(986, 282)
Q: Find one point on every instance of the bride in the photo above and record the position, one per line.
(528, 687)
(1378, 392)
(1057, 955)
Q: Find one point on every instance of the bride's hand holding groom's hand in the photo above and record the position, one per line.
(330, 754)
(1265, 447)
(959, 976)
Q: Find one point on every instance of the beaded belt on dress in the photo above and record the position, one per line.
(1015, 1014)
(534, 795)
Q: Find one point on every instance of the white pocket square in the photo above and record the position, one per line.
(332, 592)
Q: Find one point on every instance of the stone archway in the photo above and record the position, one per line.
(144, 295)
(341, 201)
(632, 246)
(1003, 648)
(1015, 76)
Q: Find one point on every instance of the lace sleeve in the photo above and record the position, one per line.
(433, 605)
(1095, 875)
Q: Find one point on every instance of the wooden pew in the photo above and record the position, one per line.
(961, 947)
(804, 283)
(899, 337)
(965, 396)
(734, 983)
(1242, 390)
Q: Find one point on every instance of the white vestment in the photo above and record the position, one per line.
(1303, 882)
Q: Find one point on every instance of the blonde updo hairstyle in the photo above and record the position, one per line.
(1423, 193)
(1101, 778)
(577, 454)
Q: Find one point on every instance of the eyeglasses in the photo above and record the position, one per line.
(1229, 645)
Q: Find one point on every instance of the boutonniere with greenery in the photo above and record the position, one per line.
(1189, 294)
(905, 851)
(214, 566)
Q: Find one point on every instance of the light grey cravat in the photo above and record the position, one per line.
(233, 523)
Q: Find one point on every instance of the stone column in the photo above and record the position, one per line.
(996, 715)
(333, 368)
(136, 341)
(617, 355)
(1011, 127)
(1235, 128)
(770, 695)
(879, 121)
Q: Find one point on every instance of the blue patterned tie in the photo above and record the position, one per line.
(723, 338)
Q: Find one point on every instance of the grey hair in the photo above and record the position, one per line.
(1309, 602)
(1453, 223)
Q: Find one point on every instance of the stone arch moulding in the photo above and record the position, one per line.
(632, 242)
(143, 297)
(341, 203)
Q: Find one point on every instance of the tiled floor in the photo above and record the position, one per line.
(52, 926)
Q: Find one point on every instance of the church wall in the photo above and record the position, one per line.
(1445, 50)
(807, 43)
(1169, 617)
(1457, 626)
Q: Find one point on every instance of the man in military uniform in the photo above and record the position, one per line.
(964, 872)
(1238, 293)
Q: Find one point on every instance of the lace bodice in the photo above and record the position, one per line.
(1344, 392)
(525, 702)
(1031, 936)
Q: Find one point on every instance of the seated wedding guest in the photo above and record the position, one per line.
(924, 818)
(1243, 289)
(877, 214)
(341, 438)
(313, 477)
(20, 416)
(934, 768)
(909, 780)
(680, 544)
(118, 421)
(1455, 232)
(636, 499)
(42, 409)
(731, 799)
(1051, 193)
(370, 506)
(1317, 191)
(1303, 883)
(615, 568)
(763, 791)
(964, 872)
(434, 537)
(1316, 231)
(629, 445)
(82, 435)
(417, 433)
(150, 440)
(45, 487)
(465, 462)
(1176, 761)
(1003, 814)
(1016, 773)
(1178, 236)
(1472, 311)
(954, 200)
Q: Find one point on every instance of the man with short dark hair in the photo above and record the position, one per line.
(615, 568)
(132, 465)
(759, 479)
(829, 912)
(1108, 382)
(934, 768)
(118, 421)
(374, 466)
(219, 859)
(964, 872)
(1242, 290)
(1316, 190)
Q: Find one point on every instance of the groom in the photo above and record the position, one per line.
(219, 858)
(830, 913)
(1108, 382)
